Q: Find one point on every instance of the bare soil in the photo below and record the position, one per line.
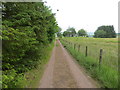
(63, 72)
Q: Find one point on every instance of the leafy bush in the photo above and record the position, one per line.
(27, 28)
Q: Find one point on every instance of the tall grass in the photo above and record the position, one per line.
(109, 46)
(107, 76)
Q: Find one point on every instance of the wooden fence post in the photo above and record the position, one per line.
(78, 48)
(86, 51)
(74, 46)
(100, 57)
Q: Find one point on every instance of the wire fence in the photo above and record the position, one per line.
(101, 55)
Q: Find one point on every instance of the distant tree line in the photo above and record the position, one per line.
(70, 32)
(101, 32)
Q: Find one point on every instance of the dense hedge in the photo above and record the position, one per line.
(27, 28)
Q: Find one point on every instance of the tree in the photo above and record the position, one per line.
(70, 32)
(109, 32)
(59, 32)
(27, 28)
(100, 33)
(82, 32)
(66, 34)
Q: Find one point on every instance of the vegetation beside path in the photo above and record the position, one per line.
(28, 30)
(33, 76)
(107, 73)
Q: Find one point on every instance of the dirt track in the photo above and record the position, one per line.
(63, 72)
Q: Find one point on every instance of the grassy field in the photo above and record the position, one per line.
(107, 74)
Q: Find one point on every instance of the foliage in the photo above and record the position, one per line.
(33, 76)
(65, 33)
(105, 32)
(82, 32)
(70, 32)
(28, 28)
(59, 34)
(100, 33)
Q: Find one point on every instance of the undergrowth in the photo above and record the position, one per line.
(33, 76)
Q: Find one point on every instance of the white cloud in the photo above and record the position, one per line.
(86, 14)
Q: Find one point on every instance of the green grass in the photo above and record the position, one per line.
(109, 46)
(33, 76)
(105, 74)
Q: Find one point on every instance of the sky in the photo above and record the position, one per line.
(85, 14)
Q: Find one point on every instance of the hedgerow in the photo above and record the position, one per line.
(27, 28)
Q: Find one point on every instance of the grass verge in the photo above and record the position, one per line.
(107, 77)
(33, 76)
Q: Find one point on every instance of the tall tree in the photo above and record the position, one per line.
(71, 31)
(82, 32)
(59, 34)
(109, 32)
(27, 28)
(100, 33)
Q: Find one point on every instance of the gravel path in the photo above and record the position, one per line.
(63, 72)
